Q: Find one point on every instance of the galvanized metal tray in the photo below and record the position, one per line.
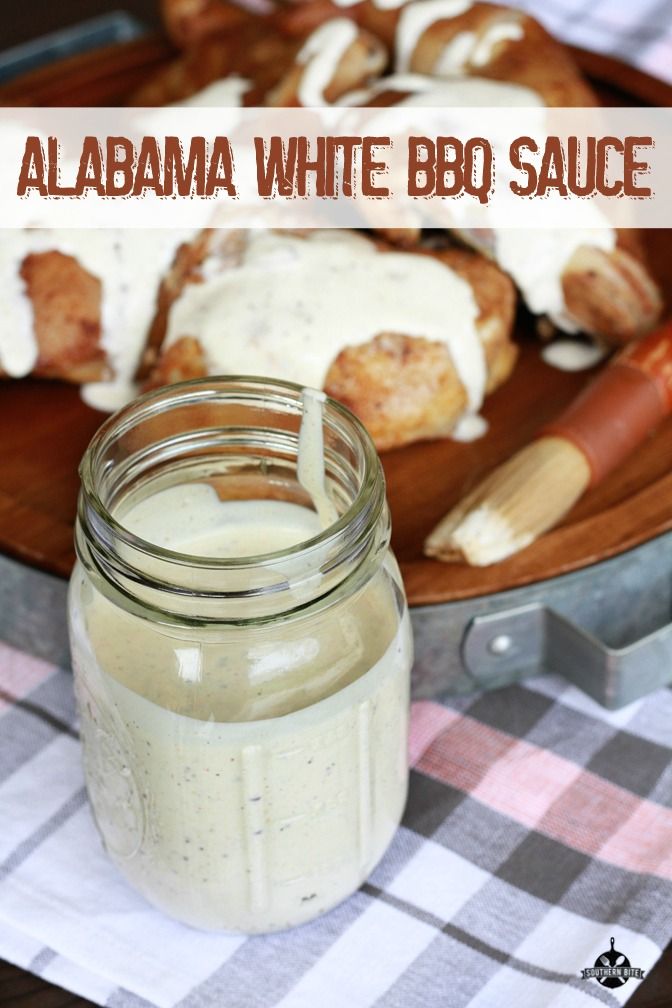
(606, 629)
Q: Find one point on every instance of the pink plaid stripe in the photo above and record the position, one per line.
(525, 782)
(589, 812)
(20, 674)
(428, 720)
(644, 840)
(461, 756)
(550, 794)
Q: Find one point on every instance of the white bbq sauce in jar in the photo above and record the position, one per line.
(245, 801)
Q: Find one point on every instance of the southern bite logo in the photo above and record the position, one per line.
(612, 969)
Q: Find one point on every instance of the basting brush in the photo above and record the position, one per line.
(533, 490)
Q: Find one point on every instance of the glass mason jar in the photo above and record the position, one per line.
(243, 695)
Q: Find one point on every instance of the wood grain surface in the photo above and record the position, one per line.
(45, 428)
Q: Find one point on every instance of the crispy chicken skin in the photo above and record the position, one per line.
(256, 52)
(249, 50)
(363, 60)
(66, 305)
(537, 61)
(189, 21)
(612, 294)
(402, 388)
(181, 361)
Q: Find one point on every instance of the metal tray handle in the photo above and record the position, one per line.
(534, 639)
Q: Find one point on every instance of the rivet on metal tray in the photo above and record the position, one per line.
(500, 644)
(541, 640)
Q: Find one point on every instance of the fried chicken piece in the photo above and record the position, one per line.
(505, 45)
(362, 58)
(66, 305)
(495, 42)
(406, 388)
(273, 69)
(188, 22)
(612, 294)
(251, 52)
(403, 387)
(181, 361)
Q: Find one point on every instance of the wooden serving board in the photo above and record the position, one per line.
(45, 427)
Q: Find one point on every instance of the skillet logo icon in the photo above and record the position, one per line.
(612, 969)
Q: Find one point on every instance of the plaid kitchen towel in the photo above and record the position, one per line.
(635, 31)
(538, 828)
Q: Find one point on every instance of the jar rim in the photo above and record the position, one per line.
(156, 401)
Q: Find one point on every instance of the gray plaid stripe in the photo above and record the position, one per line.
(639, 37)
(501, 915)
(543, 867)
(23, 737)
(513, 710)
(478, 945)
(571, 734)
(429, 803)
(662, 792)
(264, 969)
(405, 844)
(39, 712)
(479, 834)
(414, 911)
(41, 960)
(33, 721)
(446, 975)
(26, 848)
(124, 999)
(57, 696)
(616, 896)
(631, 762)
(653, 719)
(636, 41)
(574, 17)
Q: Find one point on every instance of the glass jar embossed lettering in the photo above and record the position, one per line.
(242, 651)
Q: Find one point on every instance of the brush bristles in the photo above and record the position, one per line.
(518, 502)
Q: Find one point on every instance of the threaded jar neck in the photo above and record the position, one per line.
(240, 435)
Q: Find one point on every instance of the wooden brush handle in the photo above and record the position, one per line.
(616, 412)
